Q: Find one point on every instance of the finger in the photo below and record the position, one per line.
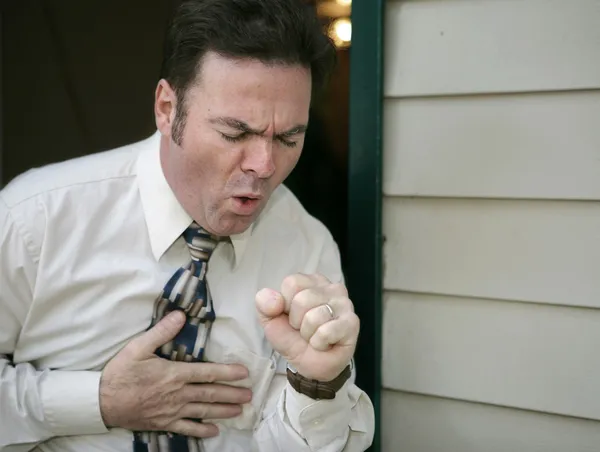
(195, 429)
(335, 295)
(303, 302)
(209, 372)
(210, 411)
(269, 304)
(294, 284)
(338, 331)
(313, 320)
(161, 333)
(215, 393)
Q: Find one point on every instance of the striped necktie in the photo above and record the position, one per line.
(187, 291)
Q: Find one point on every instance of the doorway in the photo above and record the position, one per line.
(79, 78)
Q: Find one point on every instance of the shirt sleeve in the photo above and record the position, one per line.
(300, 424)
(35, 405)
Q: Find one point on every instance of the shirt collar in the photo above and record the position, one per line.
(165, 217)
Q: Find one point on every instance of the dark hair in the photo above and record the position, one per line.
(272, 31)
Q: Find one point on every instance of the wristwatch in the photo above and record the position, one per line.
(315, 389)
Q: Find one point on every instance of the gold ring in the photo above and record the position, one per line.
(331, 313)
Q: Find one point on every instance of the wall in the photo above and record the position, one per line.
(491, 322)
(79, 77)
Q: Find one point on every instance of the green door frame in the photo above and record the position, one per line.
(364, 271)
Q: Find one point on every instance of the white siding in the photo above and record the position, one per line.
(491, 216)
(511, 146)
(542, 358)
(429, 424)
(536, 251)
(491, 46)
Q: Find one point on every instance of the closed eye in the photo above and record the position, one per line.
(234, 138)
(289, 144)
(242, 136)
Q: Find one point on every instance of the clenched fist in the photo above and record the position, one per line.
(311, 323)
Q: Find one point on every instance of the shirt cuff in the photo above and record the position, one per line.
(71, 403)
(319, 422)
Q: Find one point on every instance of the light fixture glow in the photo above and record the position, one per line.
(341, 32)
(344, 2)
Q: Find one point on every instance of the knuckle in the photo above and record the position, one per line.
(303, 298)
(295, 283)
(321, 279)
(312, 319)
(322, 334)
(209, 375)
(338, 289)
(209, 394)
(290, 282)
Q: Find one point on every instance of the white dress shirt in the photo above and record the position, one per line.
(85, 248)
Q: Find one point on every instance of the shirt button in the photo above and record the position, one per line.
(317, 422)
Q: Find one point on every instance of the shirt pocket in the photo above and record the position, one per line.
(261, 371)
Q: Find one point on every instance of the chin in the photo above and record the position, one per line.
(233, 226)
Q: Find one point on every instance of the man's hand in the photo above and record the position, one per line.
(300, 326)
(140, 391)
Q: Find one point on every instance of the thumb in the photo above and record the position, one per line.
(269, 304)
(161, 333)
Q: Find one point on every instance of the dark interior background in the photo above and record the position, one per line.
(79, 76)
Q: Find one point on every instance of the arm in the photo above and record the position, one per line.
(299, 423)
(34, 405)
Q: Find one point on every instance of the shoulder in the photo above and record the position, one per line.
(63, 193)
(96, 168)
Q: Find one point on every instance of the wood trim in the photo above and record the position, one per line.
(364, 275)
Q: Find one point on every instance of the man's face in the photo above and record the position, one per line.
(242, 136)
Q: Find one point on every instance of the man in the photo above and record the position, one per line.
(171, 295)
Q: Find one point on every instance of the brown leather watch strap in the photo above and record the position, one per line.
(315, 389)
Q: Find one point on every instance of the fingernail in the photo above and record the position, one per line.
(248, 396)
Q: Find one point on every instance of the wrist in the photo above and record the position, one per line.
(318, 389)
(105, 395)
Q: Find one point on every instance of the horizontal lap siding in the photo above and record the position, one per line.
(536, 146)
(416, 423)
(534, 357)
(455, 47)
(534, 251)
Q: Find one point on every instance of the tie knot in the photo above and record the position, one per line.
(200, 242)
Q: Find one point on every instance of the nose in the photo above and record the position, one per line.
(258, 158)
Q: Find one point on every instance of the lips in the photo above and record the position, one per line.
(248, 196)
(246, 204)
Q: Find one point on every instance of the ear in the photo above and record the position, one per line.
(165, 104)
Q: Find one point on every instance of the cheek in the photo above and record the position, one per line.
(291, 157)
(285, 162)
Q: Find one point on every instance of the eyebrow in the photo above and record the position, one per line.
(245, 128)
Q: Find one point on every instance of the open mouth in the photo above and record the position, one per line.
(245, 205)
